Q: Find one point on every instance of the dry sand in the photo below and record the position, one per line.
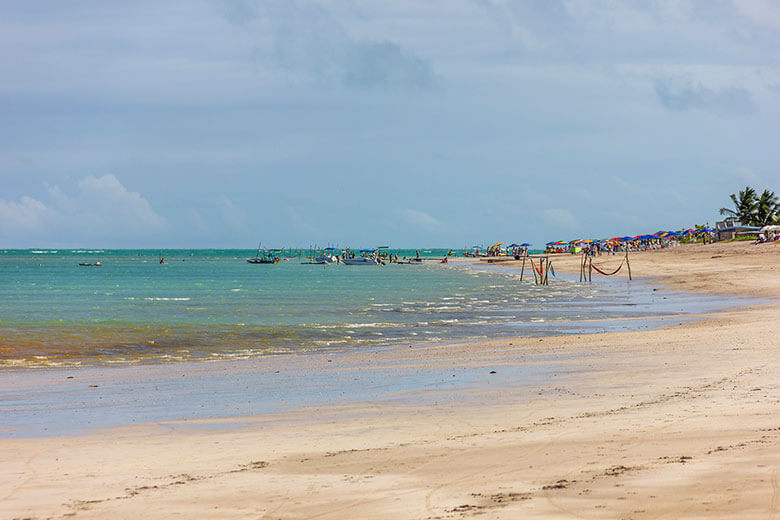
(675, 423)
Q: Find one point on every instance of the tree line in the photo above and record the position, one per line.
(752, 209)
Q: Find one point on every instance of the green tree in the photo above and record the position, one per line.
(745, 206)
(767, 209)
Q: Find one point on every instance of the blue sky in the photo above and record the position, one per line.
(221, 123)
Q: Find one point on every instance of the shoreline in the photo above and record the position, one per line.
(77, 399)
(675, 421)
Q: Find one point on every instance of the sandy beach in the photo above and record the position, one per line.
(680, 422)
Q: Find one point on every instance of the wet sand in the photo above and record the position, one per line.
(681, 422)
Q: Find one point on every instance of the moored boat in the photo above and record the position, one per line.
(325, 257)
(367, 257)
(361, 260)
(265, 256)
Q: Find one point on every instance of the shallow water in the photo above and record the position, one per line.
(213, 305)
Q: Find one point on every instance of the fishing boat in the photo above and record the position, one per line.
(361, 260)
(87, 264)
(367, 257)
(265, 256)
(324, 257)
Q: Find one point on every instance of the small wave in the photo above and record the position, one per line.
(158, 299)
(358, 325)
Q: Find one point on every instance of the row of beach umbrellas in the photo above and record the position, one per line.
(655, 236)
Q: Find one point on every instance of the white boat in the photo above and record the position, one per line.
(361, 260)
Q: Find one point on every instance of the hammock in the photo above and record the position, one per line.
(607, 274)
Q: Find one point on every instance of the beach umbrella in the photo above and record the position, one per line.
(689, 232)
(550, 243)
(625, 239)
(525, 244)
(513, 245)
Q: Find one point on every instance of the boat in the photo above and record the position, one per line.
(361, 260)
(87, 264)
(268, 256)
(325, 257)
(367, 257)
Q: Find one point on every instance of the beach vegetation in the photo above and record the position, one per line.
(745, 205)
(767, 209)
(752, 209)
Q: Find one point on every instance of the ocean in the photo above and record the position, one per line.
(213, 305)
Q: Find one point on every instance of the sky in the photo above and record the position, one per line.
(438, 123)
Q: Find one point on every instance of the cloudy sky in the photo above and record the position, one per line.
(221, 123)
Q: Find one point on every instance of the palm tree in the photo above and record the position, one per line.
(767, 209)
(745, 206)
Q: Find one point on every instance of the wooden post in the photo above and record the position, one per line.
(590, 270)
(547, 271)
(582, 268)
(522, 269)
(533, 268)
(628, 264)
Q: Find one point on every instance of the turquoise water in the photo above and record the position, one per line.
(213, 305)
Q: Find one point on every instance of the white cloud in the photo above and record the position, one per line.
(26, 216)
(107, 199)
(101, 211)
